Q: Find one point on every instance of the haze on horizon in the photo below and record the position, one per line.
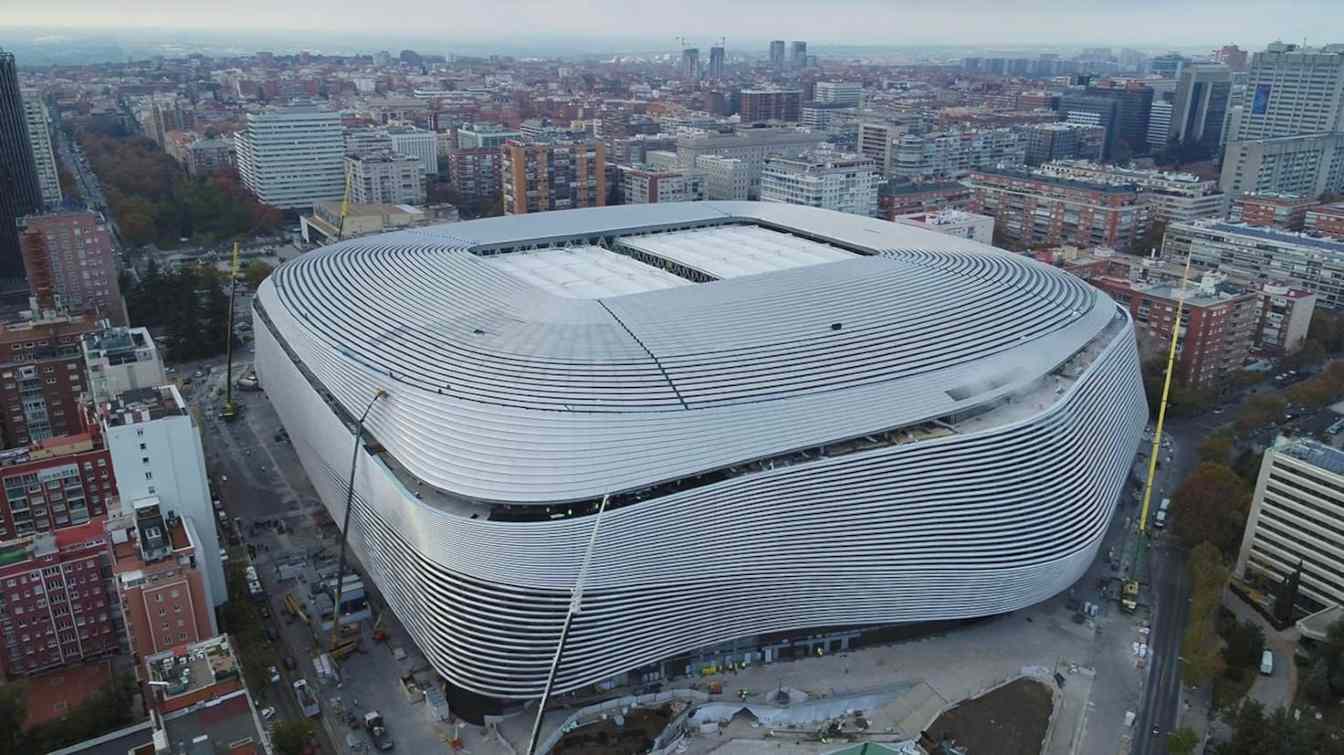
(1138, 23)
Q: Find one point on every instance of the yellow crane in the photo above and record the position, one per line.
(230, 411)
(345, 203)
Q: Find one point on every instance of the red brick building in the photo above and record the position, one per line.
(55, 483)
(41, 378)
(1326, 220)
(1032, 211)
(895, 200)
(553, 174)
(1286, 211)
(83, 262)
(475, 174)
(55, 605)
(761, 105)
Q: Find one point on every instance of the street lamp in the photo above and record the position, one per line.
(345, 528)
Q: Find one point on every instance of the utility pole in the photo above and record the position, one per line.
(575, 599)
(345, 528)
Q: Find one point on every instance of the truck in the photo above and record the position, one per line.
(382, 738)
(307, 701)
(1267, 663)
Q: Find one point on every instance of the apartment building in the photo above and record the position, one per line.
(1173, 197)
(751, 146)
(42, 377)
(1325, 220)
(1046, 142)
(476, 173)
(641, 184)
(39, 141)
(485, 136)
(725, 177)
(292, 157)
(202, 157)
(1308, 165)
(1258, 256)
(1285, 316)
(82, 259)
(553, 175)
(416, 143)
(843, 93)
(763, 105)
(878, 141)
(1034, 211)
(120, 359)
(55, 604)
(834, 181)
(386, 178)
(964, 225)
(55, 483)
(954, 154)
(1284, 211)
(896, 198)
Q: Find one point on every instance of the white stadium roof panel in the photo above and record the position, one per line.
(584, 272)
(732, 251)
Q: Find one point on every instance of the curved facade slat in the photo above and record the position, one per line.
(926, 429)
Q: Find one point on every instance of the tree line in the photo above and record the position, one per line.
(190, 303)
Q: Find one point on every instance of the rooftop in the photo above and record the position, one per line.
(1274, 234)
(189, 668)
(734, 251)
(1329, 458)
(584, 272)
(144, 405)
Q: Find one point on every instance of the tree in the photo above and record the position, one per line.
(1216, 449)
(1182, 741)
(290, 737)
(1318, 687)
(254, 272)
(1209, 575)
(1311, 354)
(1260, 410)
(1210, 507)
(13, 712)
(1245, 643)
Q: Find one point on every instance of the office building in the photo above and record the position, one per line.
(1257, 256)
(717, 59)
(202, 157)
(1305, 165)
(689, 68)
(829, 180)
(475, 174)
(953, 154)
(1087, 110)
(120, 359)
(878, 142)
(82, 258)
(417, 143)
(1159, 123)
(1233, 57)
(962, 225)
(777, 52)
(1032, 211)
(1325, 220)
(1218, 323)
(20, 189)
(386, 178)
(779, 375)
(1287, 212)
(1293, 522)
(1285, 316)
(752, 146)
(1172, 197)
(365, 140)
(553, 175)
(1167, 66)
(57, 608)
(1200, 106)
(1046, 142)
(642, 184)
(843, 93)
(1293, 91)
(762, 105)
(64, 481)
(157, 566)
(39, 139)
(292, 157)
(1133, 106)
(725, 177)
(798, 55)
(42, 377)
(826, 117)
(157, 457)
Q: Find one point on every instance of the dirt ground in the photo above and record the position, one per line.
(604, 738)
(1011, 720)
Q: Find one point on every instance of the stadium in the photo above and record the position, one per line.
(804, 422)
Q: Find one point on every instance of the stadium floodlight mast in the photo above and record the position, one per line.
(575, 599)
(345, 528)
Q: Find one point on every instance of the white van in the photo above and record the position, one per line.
(1160, 521)
(1166, 504)
(1267, 663)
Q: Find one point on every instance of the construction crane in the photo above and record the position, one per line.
(345, 203)
(230, 411)
(1129, 598)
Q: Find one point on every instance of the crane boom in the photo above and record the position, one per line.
(230, 409)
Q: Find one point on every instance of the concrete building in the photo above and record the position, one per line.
(878, 141)
(896, 199)
(798, 55)
(485, 135)
(39, 139)
(1167, 66)
(292, 157)
(386, 178)
(1218, 323)
(60, 482)
(20, 189)
(717, 60)
(765, 105)
(157, 566)
(476, 174)
(205, 156)
(843, 93)
(553, 175)
(1033, 211)
(964, 225)
(1325, 220)
(57, 608)
(641, 184)
(752, 146)
(1293, 522)
(1159, 123)
(364, 140)
(1286, 212)
(1173, 197)
(1088, 110)
(1293, 91)
(157, 456)
(1046, 142)
(82, 258)
(121, 359)
(837, 181)
(1200, 106)
(1308, 165)
(42, 377)
(689, 67)
(1133, 103)
(725, 177)
(1285, 316)
(954, 154)
(1258, 256)
(416, 143)
(777, 53)
(323, 225)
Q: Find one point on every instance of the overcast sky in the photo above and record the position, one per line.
(1140, 23)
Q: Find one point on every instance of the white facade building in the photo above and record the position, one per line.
(963, 225)
(725, 177)
(418, 143)
(156, 452)
(832, 181)
(847, 93)
(386, 178)
(1293, 91)
(752, 146)
(641, 184)
(292, 157)
(1174, 197)
(1304, 165)
(120, 360)
(955, 153)
(1159, 124)
(39, 138)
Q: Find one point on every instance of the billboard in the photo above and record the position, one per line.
(1260, 101)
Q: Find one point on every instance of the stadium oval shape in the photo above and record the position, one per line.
(803, 419)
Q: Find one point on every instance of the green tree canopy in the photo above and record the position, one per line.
(1211, 506)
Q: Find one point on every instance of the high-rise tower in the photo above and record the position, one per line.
(20, 193)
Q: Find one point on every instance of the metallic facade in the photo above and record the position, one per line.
(933, 429)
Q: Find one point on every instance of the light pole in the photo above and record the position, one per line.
(575, 599)
(345, 528)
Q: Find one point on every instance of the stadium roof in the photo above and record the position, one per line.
(506, 387)
(734, 251)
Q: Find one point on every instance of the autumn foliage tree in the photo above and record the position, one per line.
(1208, 577)
(1211, 506)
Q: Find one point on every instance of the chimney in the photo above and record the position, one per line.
(37, 263)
